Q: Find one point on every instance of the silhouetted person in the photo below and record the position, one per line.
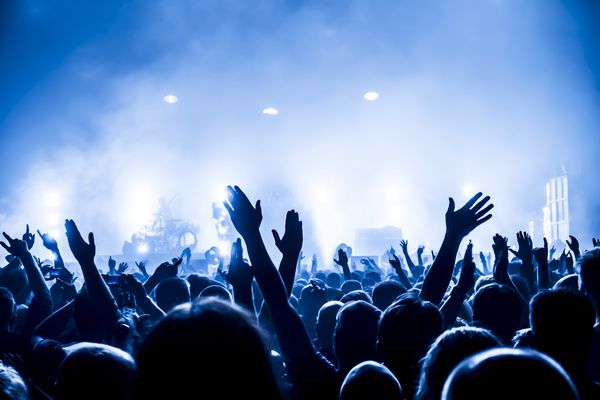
(370, 380)
(498, 308)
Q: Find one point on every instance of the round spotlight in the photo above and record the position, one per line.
(142, 248)
(170, 99)
(270, 111)
(371, 96)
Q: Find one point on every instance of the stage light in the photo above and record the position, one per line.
(270, 111)
(371, 96)
(170, 99)
(142, 248)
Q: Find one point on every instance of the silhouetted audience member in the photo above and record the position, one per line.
(370, 380)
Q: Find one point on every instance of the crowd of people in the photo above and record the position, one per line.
(521, 326)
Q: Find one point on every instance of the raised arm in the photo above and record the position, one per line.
(307, 369)
(240, 276)
(541, 257)
(84, 253)
(19, 249)
(395, 263)
(50, 243)
(342, 261)
(459, 293)
(409, 262)
(525, 254)
(459, 223)
(574, 247)
(290, 246)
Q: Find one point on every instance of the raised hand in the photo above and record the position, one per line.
(142, 267)
(239, 274)
(122, 268)
(404, 246)
(342, 259)
(541, 253)
(500, 244)
(525, 251)
(420, 250)
(167, 270)
(461, 222)
(574, 246)
(187, 254)
(28, 238)
(466, 280)
(595, 242)
(291, 242)
(570, 264)
(484, 263)
(112, 265)
(16, 247)
(551, 252)
(48, 241)
(83, 252)
(245, 218)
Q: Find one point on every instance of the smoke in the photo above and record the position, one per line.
(474, 96)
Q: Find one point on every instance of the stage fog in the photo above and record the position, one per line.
(493, 96)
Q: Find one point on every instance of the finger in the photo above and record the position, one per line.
(472, 200)
(276, 237)
(482, 220)
(7, 237)
(27, 229)
(40, 234)
(546, 244)
(258, 208)
(480, 204)
(514, 252)
(484, 211)
(5, 246)
(179, 260)
(91, 239)
(228, 208)
(451, 205)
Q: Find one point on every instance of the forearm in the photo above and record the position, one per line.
(420, 258)
(409, 262)
(403, 278)
(58, 260)
(97, 288)
(440, 273)
(451, 306)
(242, 296)
(543, 276)
(54, 324)
(34, 276)
(528, 272)
(346, 271)
(149, 307)
(287, 271)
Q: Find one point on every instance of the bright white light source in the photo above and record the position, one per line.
(371, 96)
(468, 191)
(170, 99)
(52, 198)
(54, 233)
(270, 111)
(143, 248)
(53, 219)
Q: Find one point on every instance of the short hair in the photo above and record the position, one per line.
(370, 379)
(499, 309)
(12, 385)
(506, 373)
(386, 292)
(355, 337)
(356, 295)
(351, 285)
(172, 292)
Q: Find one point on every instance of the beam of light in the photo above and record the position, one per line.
(170, 99)
(270, 111)
(371, 96)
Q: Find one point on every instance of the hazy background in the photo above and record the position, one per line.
(490, 95)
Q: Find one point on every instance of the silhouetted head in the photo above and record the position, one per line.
(93, 370)
(356, 295)
(499, 309)
(198, 283)
(569, 282)
(172, 292)
(326, 320)
(505, 373)
(372, 276)
(562, 323)
(12, 385)
(370, 380)
(484, 280)
(216, 291)
(334, 280)
(355, 337)
(448, 350)
(589, 275)
(386, 292)
(14, 278)
(206, 345)
(351, 285)
(7, 307)
(406, 330)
